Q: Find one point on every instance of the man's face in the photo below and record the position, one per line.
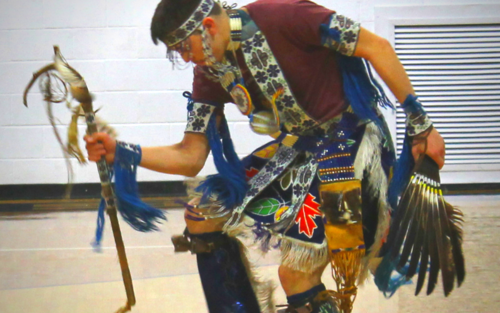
(191, 49)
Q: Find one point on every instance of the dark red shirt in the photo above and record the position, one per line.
(292, 29)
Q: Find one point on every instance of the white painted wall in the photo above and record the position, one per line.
(108, 41)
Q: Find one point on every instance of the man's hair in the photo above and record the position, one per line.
(171, 14)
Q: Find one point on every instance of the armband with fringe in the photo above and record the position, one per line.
(341, 34)
(417, 120)
(139, 215)
(136, 213)
(199, 117)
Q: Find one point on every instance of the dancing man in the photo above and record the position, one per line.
(318, 191)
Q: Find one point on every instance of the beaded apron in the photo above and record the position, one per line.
(283, 198)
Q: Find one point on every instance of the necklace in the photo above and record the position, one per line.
(228, 74)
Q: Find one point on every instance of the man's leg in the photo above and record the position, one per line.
(222, 270)
(305, 291)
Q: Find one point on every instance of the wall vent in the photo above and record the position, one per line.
(455, 70)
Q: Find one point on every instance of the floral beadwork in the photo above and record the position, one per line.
(189, 26)
(284, 157)
(270, 79)
(417, 125)
(198, 117)
(269, 76)
(341, 34)
(301, 185)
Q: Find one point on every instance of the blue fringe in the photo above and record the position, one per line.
(135, 212)
(361, 89)
(139, 215)
(382, 98)
(229, 185)
(364, 93)
(96, 244)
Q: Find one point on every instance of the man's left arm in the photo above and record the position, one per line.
(379, 52)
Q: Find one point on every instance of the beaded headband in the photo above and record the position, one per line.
(191, 24)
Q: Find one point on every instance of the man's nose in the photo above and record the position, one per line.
(185, 56)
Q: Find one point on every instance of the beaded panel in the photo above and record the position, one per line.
(341, 34)
(198, 117)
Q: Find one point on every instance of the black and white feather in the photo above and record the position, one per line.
(426, 232)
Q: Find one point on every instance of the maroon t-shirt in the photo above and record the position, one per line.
(292, 29)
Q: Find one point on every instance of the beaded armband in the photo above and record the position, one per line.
(198, 117)
(341, 34)
(417, 120)
(127, 155)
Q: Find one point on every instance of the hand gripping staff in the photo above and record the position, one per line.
(139, 215)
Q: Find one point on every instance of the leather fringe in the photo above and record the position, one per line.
(346, 267)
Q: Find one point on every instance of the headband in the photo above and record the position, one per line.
(191, 24)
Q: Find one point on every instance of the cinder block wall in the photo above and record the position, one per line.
(136, 88)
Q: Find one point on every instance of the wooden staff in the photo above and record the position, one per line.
(80, 92)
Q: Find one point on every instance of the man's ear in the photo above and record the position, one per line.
(210, 25)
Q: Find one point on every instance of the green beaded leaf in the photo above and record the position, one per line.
(264, 207)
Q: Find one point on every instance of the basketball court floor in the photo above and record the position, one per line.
(48, 265)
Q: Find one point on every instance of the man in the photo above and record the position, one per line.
(318, 191)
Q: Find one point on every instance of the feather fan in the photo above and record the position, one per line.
(426, 231)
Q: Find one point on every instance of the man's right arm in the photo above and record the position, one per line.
(185, 158)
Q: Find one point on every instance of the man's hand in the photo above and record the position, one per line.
(435, 147)
(99, 144)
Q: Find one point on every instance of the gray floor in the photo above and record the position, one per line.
(481, 290)
(47, 265)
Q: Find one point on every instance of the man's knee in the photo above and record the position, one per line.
(294, 281)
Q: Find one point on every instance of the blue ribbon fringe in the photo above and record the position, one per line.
(138, 214)
(96, 244)
(362, 90)
(229, 185)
